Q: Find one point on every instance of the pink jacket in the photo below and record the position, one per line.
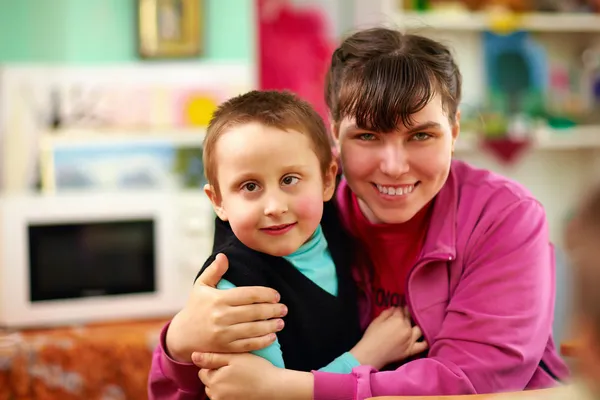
(482, 292)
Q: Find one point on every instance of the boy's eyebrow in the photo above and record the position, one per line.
(297, 167)
(242, 177)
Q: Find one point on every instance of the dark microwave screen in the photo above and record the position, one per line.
(77, 260)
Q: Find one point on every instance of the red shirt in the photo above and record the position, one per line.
(392, 250)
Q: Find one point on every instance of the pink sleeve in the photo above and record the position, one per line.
(172, 380)
(497, 324)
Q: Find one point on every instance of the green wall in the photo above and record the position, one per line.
(103, 31)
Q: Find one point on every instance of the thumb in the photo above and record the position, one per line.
(214, 272)
(418, 347)
(209, 360)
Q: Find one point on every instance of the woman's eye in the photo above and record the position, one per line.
(250, 187)
(421, 136)
(366, 137)
(290, 180)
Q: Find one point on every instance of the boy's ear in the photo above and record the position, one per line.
(216, 201)
(329, 181)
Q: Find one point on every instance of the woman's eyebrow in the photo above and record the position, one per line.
(424, 126)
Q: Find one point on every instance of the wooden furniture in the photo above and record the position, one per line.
(99, 361)
(526, 395)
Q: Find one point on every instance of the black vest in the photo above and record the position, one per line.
(319, 326)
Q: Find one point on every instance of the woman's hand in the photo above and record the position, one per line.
(249, 377)
(225, 321)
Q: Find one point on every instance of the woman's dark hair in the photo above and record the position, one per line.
(382, 76)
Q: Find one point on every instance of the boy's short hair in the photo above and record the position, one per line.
(277, 109)
(583, 244)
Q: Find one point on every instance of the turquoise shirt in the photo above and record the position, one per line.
(314, 261)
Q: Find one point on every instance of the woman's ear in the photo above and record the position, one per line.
(455, 129)
(216, 201)
(335, 136)
(329, 181)
(335, 132)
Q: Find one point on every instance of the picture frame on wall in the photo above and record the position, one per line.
(169, 28)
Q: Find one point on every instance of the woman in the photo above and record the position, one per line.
(465, 250)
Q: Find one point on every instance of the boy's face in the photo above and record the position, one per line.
(271, 187)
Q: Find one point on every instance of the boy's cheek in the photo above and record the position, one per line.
(310, 207)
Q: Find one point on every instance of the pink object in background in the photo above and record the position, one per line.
(294, 50)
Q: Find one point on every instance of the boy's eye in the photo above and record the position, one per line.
(366, 137)
(290, 180)
(250, 187)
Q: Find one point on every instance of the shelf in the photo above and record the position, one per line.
(76, 137)
(578, 138)
(480, 21)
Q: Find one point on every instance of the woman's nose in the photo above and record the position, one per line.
(394, 161)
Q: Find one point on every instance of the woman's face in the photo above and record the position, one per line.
(395, 174)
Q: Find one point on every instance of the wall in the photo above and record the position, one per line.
(103, 31)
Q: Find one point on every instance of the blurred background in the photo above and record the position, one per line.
(103, 106)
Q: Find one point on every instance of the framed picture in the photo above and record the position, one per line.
(169, 28)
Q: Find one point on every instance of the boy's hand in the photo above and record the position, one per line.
(224, 321)
(389, 338)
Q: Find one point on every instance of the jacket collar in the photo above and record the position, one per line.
(440, 241)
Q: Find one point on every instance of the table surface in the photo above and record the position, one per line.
(107, 360)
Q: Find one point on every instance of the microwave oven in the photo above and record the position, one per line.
(71, 259)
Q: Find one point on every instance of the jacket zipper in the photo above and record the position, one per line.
(420, 264)
(545, 368)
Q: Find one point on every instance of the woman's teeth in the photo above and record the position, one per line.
(395, 190)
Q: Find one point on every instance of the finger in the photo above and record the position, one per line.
(390, 311)
(406, 313)
(416, 333)
(254, 312)
(418, 347)
(398, 312)
(385, 314)
(252, 344)
(210, 360)
(214, 272)
(242, 296)
(252, 329)
(395, 314)
(205, 376)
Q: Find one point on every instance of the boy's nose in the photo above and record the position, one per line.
(276, 205)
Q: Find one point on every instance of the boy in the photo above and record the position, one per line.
(271, 174)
